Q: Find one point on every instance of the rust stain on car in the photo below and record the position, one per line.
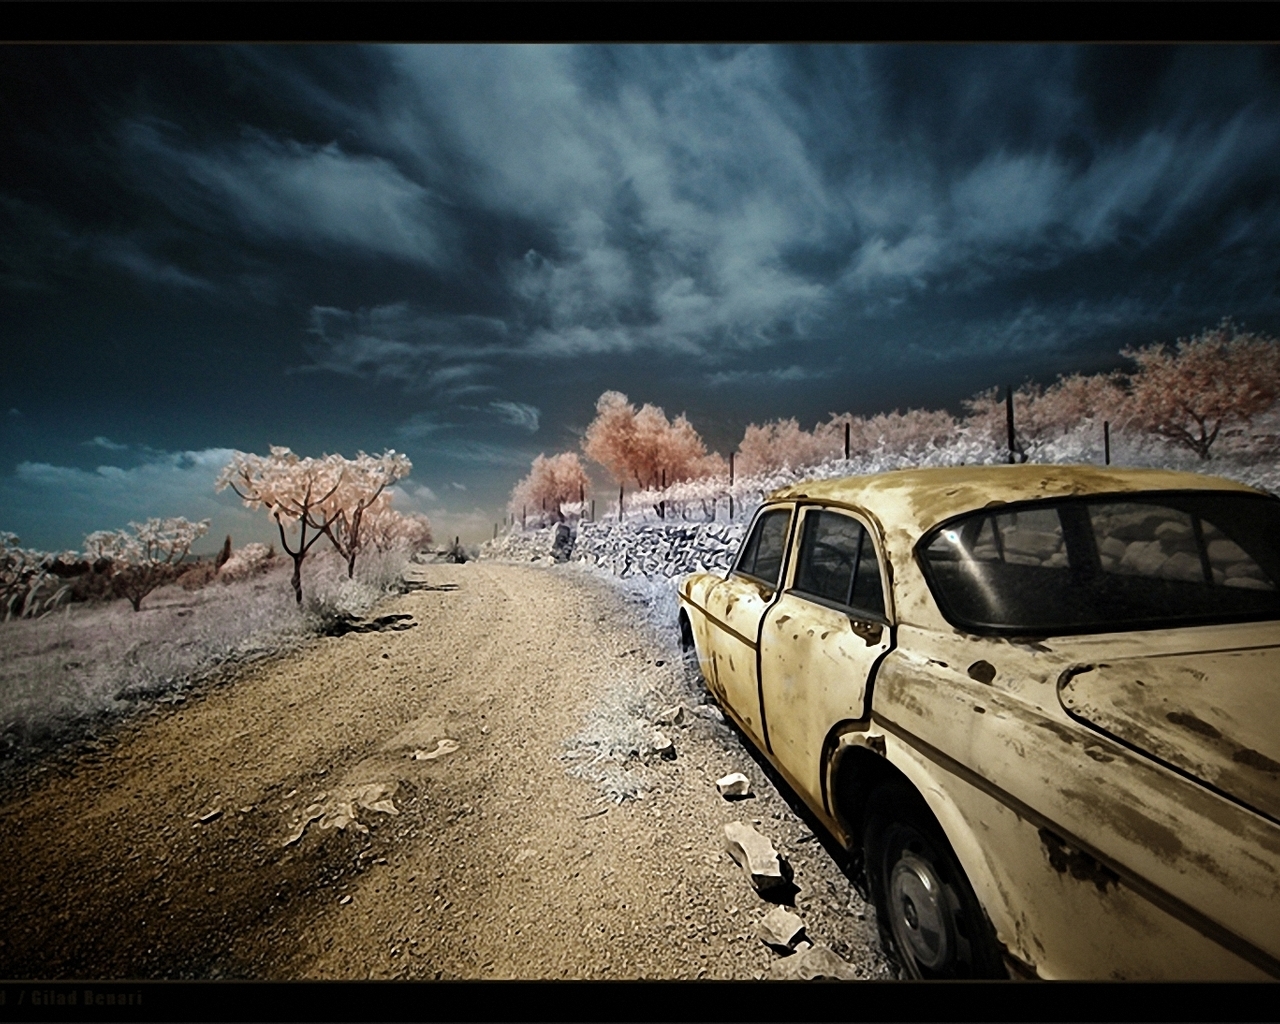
(1189, 721)
(1066, 859)
(1255, 759)
(982, 671)
(1135, 825)
(1061, 731)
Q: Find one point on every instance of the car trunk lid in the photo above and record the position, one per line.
(1210, 714)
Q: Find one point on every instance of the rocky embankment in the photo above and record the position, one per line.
(624, 549)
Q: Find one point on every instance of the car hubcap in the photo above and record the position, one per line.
(915, 896)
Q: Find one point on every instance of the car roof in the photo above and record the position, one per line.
(917, 499)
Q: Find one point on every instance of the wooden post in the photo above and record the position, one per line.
(1106, 441)
(495, 531)
(662, 505)
(524, 516)
(619, 502)
(1008, 415)
(593, 510)
(846, 442)
(731, 487)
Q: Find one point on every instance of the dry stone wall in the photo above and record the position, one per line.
(658, 549)
(628, 549)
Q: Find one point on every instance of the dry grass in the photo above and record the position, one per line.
(87, 662)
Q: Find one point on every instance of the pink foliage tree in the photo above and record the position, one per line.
(895, 432)
(362, 490)
(783, 444)
(1187, 393)
(331, 495)
(147, 558)
(551, 482)
(643, 445)
(388, 530)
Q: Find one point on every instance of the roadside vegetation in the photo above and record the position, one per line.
(74, 652)
(1208, 403)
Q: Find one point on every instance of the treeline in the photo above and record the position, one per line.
(1189, 394)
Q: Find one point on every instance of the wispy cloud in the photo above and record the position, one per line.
(318, 194)
(467, 451)
(397, 342)
(519, 414)
(129, 255)
(782, 375)
(422, 424)
(107, 443)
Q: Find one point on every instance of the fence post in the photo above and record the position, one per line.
(495, 531)
(731, 487)
(662, 505)
(524, 515)
(846, 442)
(1106, 441)
(1008, 415)
(593, 510)
(620, 502)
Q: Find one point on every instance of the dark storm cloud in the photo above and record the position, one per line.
(456, 248)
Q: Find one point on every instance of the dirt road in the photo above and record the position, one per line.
(423, 776)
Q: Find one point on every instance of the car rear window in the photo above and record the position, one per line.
(1108, 563)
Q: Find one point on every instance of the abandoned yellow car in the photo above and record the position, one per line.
(1040, 705)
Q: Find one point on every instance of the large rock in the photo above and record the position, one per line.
(755, 855)
(781, 929)
(734, 786)
(562, 543)
(817, 963)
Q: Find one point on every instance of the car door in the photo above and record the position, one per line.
(735, 608)
(821, 639)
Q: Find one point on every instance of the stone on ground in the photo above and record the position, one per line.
(755, 855)
(734, 784)
(817, 963)
(672, 716)
(781, 929)
(663, 747)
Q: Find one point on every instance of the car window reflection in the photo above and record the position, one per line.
(838, 562)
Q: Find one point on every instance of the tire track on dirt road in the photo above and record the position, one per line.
(496, 864)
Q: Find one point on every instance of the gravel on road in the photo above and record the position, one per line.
(478, 792)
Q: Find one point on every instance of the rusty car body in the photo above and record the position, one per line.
(1040, 705)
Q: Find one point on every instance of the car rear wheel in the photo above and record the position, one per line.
(930, 921)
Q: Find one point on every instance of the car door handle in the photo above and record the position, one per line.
(871, 632)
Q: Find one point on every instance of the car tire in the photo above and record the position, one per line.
(931, 923)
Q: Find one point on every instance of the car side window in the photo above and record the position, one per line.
(762, 554)
(838, 563)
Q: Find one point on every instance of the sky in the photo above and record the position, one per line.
(453, 250)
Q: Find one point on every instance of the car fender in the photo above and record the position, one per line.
(999, 904)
